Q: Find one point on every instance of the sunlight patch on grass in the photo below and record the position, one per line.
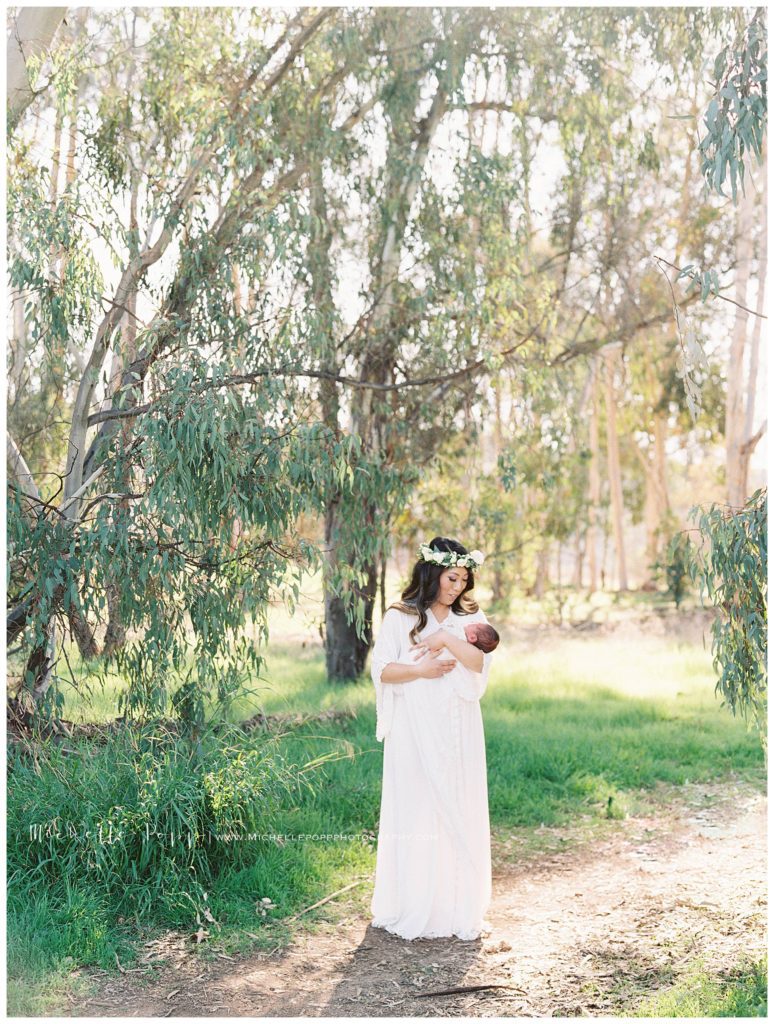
(653, 668)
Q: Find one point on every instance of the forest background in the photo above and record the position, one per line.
(294, 290)
(302, 298)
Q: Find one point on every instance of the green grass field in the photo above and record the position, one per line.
(741, 992)
(576, 730)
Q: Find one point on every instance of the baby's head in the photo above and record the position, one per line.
(485, 637)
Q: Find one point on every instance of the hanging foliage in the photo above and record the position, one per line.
(736, 115)
(730, 566)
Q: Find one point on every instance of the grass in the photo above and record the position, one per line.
(576, 729)
(739, 992)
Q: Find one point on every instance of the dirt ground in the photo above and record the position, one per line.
(587, 931)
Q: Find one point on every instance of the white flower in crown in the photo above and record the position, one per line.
(450, 558)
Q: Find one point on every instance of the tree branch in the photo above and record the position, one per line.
(293, 371)
(233, 216)
(749, 446)
(625, 331)
(725, 298)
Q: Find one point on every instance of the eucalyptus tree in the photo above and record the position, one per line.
(594, 281)
(395, 358)
(730, 561)
(190, 144)
(450, 294)
(731, 143)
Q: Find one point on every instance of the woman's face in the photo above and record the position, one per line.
(451, 583)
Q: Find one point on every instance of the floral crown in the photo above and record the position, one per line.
(450, 558)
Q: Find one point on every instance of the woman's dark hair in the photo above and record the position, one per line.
(423, 587)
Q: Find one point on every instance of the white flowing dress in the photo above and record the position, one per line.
(433, 858)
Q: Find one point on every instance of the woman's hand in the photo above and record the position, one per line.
(432, 667)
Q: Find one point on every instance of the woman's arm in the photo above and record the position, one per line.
(429, 667)
(471, 657)
(396, 672)
(385, 666)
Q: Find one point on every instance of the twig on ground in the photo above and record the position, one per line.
(464, 988)
(325, 899)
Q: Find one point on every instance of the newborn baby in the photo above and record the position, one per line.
(485, 637)
(460, 679)
(479, 634)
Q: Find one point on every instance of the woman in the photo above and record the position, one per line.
(433, 861)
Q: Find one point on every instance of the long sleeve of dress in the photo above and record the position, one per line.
(386, 649)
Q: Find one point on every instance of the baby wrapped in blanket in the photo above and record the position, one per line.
(394, 644)
(468, 684)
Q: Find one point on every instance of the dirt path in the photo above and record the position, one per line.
(581, 932)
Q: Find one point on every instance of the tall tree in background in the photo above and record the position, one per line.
(744, 354)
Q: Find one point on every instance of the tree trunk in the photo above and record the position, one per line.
(32, 32)
(19, 469)
(83, 634)
(501, 588)
(656, 494)
(595, 490)
(53, 183)
(236, 522)
(734, 426)
(18, 342)
(661, 428)
(115, 634)
(580, 556)
(371, 415)
(538, 588)
(345, 652)
(39, 670)
(614, 465)
(383, 584)
(751, 439)
(651, 522)
(124, 355)
(586, 394)
(498, 585)
(79, 28)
